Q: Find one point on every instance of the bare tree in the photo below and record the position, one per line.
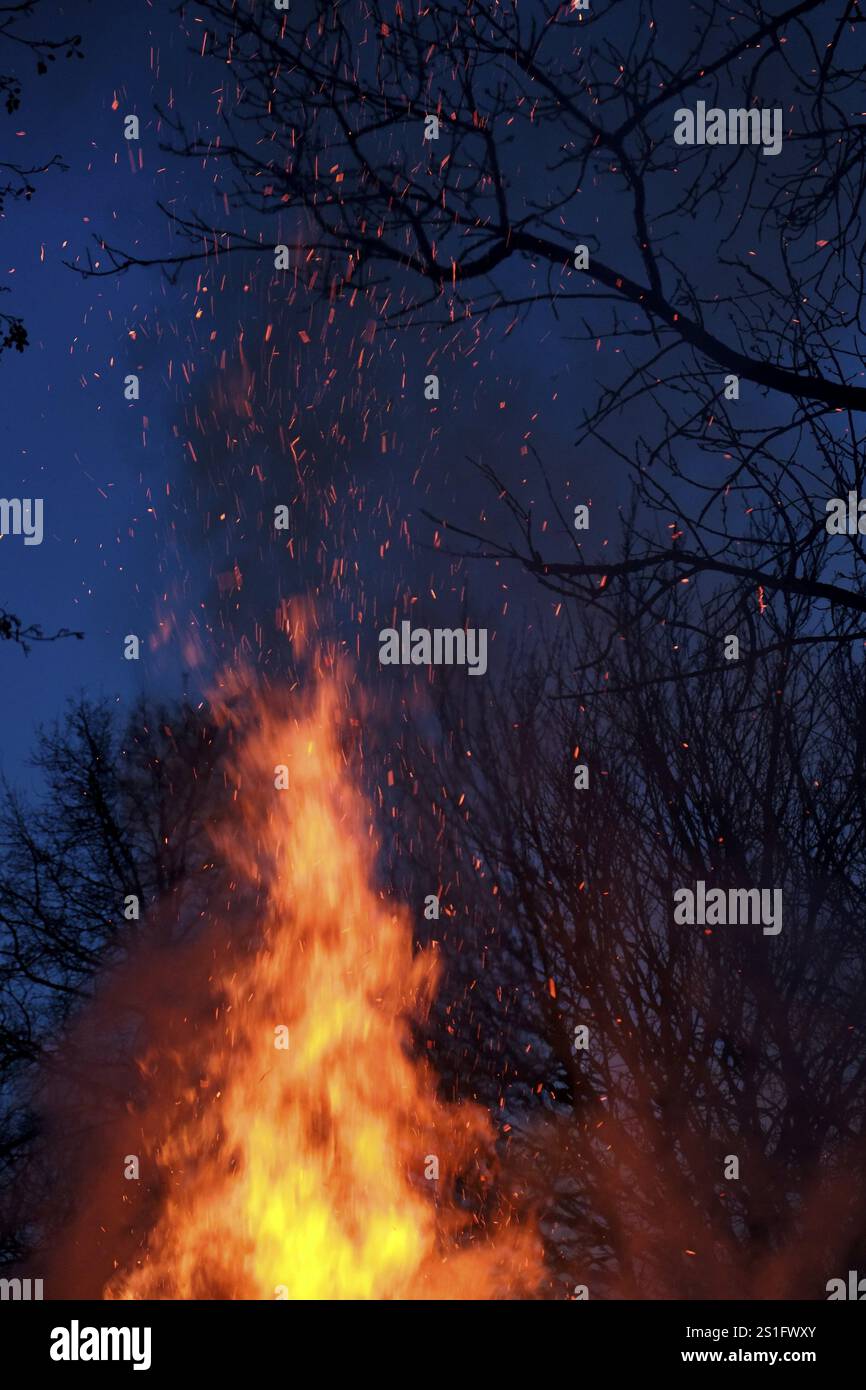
(122, 815)
(703, 1044)
(555, 128)
(12, 629)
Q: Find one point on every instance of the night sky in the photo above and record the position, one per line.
(68, 434)
(134, 540)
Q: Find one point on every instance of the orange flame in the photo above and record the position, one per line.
(304, 1170)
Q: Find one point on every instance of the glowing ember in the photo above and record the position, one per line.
(299, 1171)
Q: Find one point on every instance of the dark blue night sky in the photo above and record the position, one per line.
(130, 534)
(68, 435)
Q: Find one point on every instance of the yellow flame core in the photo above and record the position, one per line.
(300, 1172)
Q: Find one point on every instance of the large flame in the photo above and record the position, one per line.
(306, 1171)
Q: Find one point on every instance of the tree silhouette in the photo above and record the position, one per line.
(555, 129)
(122, 812)
(702, 1043)
(12, 629)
